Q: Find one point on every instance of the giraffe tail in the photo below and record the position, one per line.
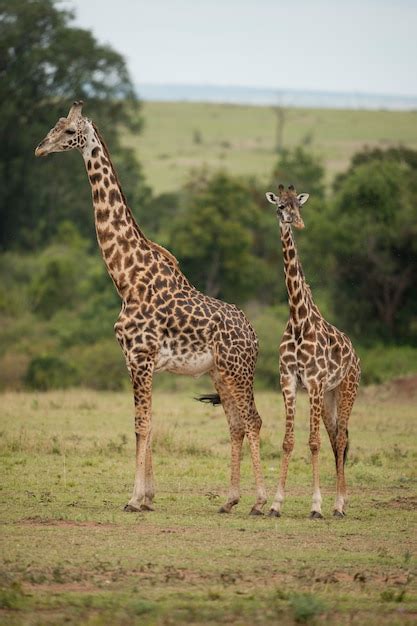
(210, 398)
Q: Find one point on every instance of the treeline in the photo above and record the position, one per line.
(57, 304)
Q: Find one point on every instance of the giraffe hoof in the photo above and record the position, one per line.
(274, 513)
(255, 511)
(146, 507)
(129, 508)
(339, 514)
(316, 515)
(223, 509)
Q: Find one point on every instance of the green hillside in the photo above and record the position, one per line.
(241, 139)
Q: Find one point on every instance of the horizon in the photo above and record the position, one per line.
(269, 96)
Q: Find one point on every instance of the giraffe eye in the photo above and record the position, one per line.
(70, 132)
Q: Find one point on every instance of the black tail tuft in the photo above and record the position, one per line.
(210, 398)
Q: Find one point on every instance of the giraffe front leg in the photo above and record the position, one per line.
(316, 410)
(288, 386)
(149, 480)
(143, 490)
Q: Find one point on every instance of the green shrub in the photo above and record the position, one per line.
(50, 372)
(269, 324)
(101, 365)
(382, 363)
(13, 367)
(12, 597)
(305, 607)
(54, 287)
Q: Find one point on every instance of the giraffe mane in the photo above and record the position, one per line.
(166, 253)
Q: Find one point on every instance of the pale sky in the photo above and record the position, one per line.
(332, 45)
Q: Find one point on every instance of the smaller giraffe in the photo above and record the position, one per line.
(317, 356)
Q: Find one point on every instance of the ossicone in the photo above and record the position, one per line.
(75, 110)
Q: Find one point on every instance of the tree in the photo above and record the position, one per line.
(399, 154)
(46, 63)
(214, 236)
(372, 235)
(302, 169)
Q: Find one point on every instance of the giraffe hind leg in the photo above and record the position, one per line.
(239, 405)
(329, 416)
(237, 434)
(346, 397)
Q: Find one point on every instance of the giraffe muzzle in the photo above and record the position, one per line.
(40, 149)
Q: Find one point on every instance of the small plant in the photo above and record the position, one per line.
(117, 446)
(375, 459)
(389, 595)
(46, 497)
(56, 446)
(213, 595)
(197, 137)
(58, 575)
(140, 607)
(407, 556)
(280, 594)
(12, 597)
(305, 607)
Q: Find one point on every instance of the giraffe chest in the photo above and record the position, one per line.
(315, 356)
(177, 358)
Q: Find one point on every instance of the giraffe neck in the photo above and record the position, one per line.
(299, 294)
(124, 247)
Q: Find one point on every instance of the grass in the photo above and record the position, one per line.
(179, 136)
(71, 555)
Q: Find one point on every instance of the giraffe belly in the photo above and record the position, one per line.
(188, 363)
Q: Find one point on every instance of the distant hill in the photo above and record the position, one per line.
(270, 96)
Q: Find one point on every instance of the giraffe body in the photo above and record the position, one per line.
(317, 356)
(165, 324)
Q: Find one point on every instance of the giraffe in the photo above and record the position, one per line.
(165, 324)
(317, 356)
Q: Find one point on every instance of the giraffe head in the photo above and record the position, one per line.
(288, 205)
(68, 133)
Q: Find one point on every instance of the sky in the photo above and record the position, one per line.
(367, 46)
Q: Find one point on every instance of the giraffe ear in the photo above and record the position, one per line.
(302, 198)
(271, 197)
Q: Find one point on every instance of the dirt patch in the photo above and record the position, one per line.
(399, 389)
(76, 587)
(403, 387)
(406, 503)
(37, 520)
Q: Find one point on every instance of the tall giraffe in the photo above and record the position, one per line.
(316, 355)
(165, 324)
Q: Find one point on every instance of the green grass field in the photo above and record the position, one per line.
(179, 136)
(71, 555)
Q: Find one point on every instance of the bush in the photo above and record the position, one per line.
(13, 367)
(382, 363)
(101, 366)
(269, 324)
(305, 607)
(56, 283)
(50, 372)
